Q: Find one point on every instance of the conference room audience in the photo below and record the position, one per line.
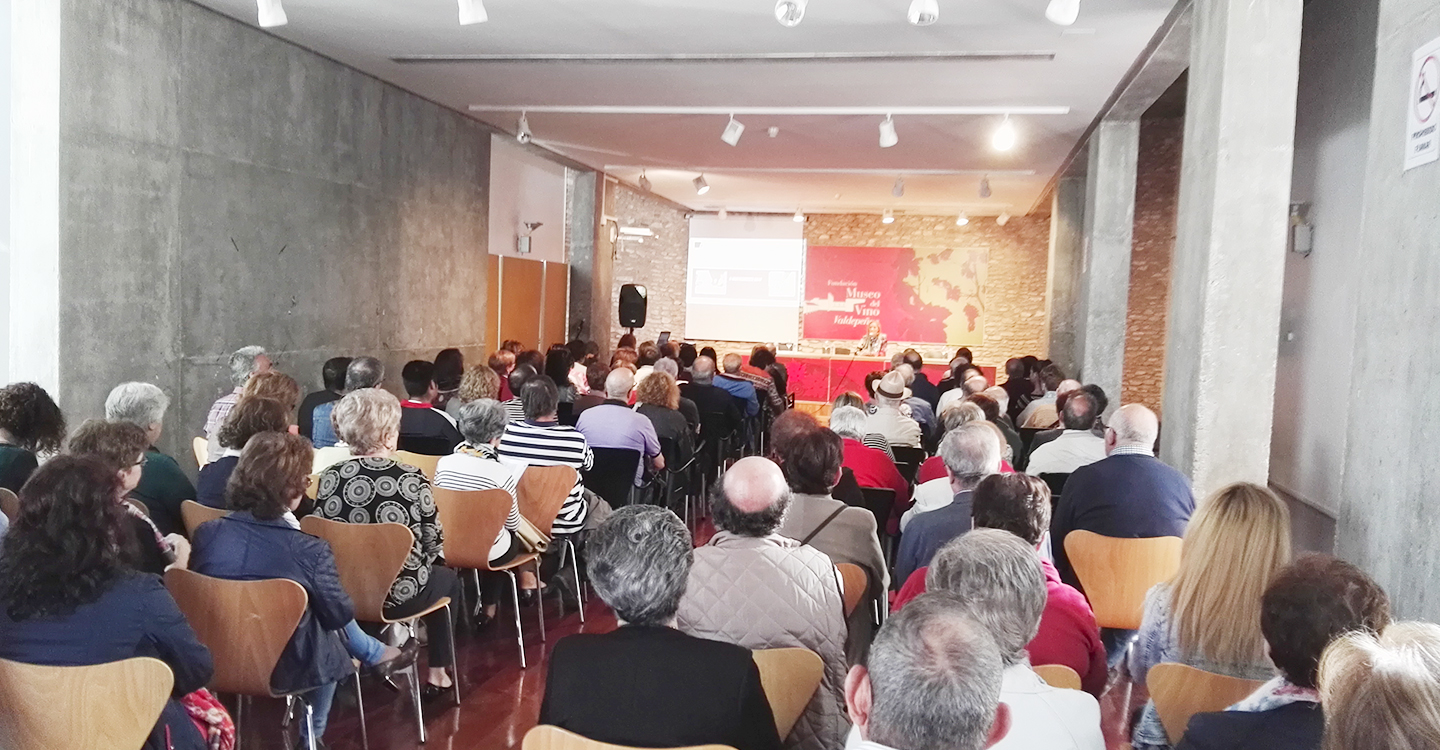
(921, 385)
(971, 453)
(68, 596)
(580, 358)
(1019, 387)
(752, 587)
(1102, 403)
(735, 368)
(1041, 413)
(449, 371)
(740, 388)
(424, 428)
(614, 424)
(250, 417)
(762, 358)
(1077, 445)
(244, 363)
(332, 375)
(918, 408)
(658, 400)
(522, 374)
(932, 489)
(558, 365)
(503, 363)
(362, 372)
(685, 406)
(872, 468)
(120, 447)
(871, 439)
(1208, 615)
(372, 487)
(31, 426)
(594, 395)
(887, 420)
(647, 684)
(711, 399)
(932, 680)
(1381, 691)
(540, 440)
(478, 382)
(810, 459)
(1311, 602)
(962, 413)
(163, 485)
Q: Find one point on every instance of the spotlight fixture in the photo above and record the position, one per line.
(472, 12)
(733, 130)
(1063, 12)
(962, 219)
(888, 136)
(898, 190)
(774, 132)
(522, 131)
(923, 12)
(799, 216)
(1003, 219)
(701, 186)
(985, 186)
(272, 14)
(644, 181)
(724, 214)
(1004, 137)
(888, 217)
(790, 12)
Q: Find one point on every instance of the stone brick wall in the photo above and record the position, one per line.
(658, 263)
(1157, 193)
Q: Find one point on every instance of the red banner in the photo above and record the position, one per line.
(848, 287)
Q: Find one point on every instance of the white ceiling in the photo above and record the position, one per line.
(942, 157)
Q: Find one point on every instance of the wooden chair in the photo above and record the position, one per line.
(854, 581)
(541, 492)
(110, 706)
(201, 446)
(472, 520)
(1116, 573)
(545, 737)
(369, 557)
(1059, 676)
(192, 514)
(246, 625)
(790, 677)
(426, 464)
(1181, 691)
(9, 504)
(312, 490)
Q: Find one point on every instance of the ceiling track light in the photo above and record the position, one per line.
(1005, 137)
(790, 12)
(962, 219)
(888, 136)
(799, 216)
(701, 186)
(888, 217)
(985, 187)
(644, 181)
(522, 129)
(923, 12)
(1003, 219)
(1063, 12)
(272, 14)
(898, 190)
(733, 130)
(724, 214)
(472, 12)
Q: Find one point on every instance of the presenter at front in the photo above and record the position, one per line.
(873, 345)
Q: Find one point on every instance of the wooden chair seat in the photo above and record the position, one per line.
(426, 464)
(545, 737)
(110, 706)
(1117, 573)
(1059, 676)
(790, 677)
(855, 581)
(201, 446)
(192, 514)
(1181, 691)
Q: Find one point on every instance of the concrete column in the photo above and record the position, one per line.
(1105, 267)
(1067, 220)
(583, 219)
(1231, 240)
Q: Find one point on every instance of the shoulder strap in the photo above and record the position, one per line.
(815, 531)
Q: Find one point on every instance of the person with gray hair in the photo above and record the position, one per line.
(475, 465)
(932, 681)
(364, 372)
(888, 419)
(871, 466)
(647, 684)
(971, 452)
(163, 485)
(1077, 445)
(998, 577)
(732, 381)
(360, 373)
(755, 588)
(725, 413)
(246, 361)
(614, 424)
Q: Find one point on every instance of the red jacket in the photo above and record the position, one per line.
(1068, 634)
(873, 468)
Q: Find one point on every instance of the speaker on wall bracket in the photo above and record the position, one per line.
(632, 306)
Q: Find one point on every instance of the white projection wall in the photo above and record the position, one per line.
(745, 279)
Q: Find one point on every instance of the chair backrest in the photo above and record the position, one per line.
(1059, 675)
(102, 707)
(9, 504)
(1116, 573)
(565, 413)
(1056, 482)
(879, 501)
(312, 490)
(369, 557)
(192, 514)
(245, 624)
(425, 463)
(790, 677)
(472, 520)
(541, 491)
(546, 737)
(613, 475)
(1181, 691)
(201, 446)
(908, 460)
(855, 581)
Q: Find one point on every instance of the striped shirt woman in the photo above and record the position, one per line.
(536, 443)
(478, 467)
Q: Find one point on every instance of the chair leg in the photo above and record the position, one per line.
(464, 604)
(479, 599)
(575, 561)
(289, 712)
(559, 596)
(539, 601)
(419, 708)
(309, 724)
(454, 656)
(360, 709)
(519, 631)
(240, 701)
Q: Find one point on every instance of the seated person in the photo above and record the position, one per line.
(647, 684)
(887, 420)
(870, 439)
(998, 576)
(712, 400)
(362, 372)
(872, 468)
(1380, 691)
(68, 597)
(934, 467)
(1313, 601)
(932, 680)
(424, 428)
(540, 440)
(479, 381)
(734, 383)
(971, 453)
(31, 426)
(614, 424)
(522, 374)
(332, 374)
(733, 368)
(250, 417)
(752, 587)
(163, 486)
(1075, 447)
(1040, 414)
(594, 395)
(658, 400)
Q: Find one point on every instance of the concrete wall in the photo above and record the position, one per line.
(1388, 523)
(222, 187)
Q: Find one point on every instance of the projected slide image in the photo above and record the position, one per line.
(744, 288)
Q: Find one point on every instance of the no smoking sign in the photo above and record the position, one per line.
(1422, 130)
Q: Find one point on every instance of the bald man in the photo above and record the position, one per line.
(751, 587)
(1128, 494)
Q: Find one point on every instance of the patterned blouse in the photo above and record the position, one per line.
(382, 490)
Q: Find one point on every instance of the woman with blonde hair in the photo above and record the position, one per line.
(276, 385)
(478, 382)
(1208, 615)
(657, 397)
(1383, 691)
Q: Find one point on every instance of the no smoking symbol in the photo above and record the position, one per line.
(1426, 89)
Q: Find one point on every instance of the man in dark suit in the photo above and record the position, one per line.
(711, 399)
(971, 452)
(423, 428)
(922, 387)
(647, 684)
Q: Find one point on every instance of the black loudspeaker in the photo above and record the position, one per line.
(632, 306)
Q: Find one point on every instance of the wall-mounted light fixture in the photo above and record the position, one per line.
(1302, 232)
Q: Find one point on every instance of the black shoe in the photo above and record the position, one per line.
(481, 620)
(429, 692)
(401, 662)
(527, 597)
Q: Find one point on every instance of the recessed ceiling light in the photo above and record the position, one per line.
(733, 130)
(1005, 136)
(1063, 12)
(790, 12)
(923, 12)
(888, 136)
(898, 189)
(701, 186)
(888, 217)
(472, 12)
(272, 14)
